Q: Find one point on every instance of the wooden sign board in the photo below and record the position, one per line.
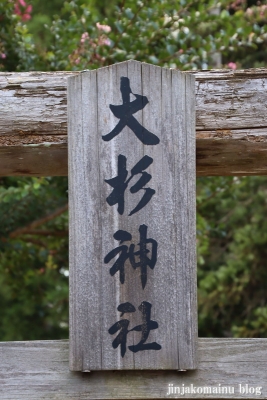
(131, 130)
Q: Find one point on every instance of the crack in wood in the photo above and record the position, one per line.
(230, 108)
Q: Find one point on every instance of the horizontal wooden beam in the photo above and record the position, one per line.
(39, 370)
(231, 123)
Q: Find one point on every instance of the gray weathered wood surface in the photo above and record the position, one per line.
(231, 123)
(40, 371)
(169, 218)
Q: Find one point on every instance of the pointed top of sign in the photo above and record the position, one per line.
(128, 64)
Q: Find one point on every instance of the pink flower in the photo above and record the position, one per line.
(23, 10)
(26, 17)
(249, 11)
(3, 55)
(232, 65)
(104, 28)
(84, 37)
(17, 9)
(107, 42)
(104, 41)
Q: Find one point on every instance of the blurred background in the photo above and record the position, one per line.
(231, 211)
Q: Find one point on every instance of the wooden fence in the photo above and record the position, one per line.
(231, 121)
(231, 139)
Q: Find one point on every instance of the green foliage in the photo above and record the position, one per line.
(183, 34)
(33, 263)
(233, 277)
(42, 17)
(16, 47)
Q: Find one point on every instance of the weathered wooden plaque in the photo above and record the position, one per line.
(131, 132)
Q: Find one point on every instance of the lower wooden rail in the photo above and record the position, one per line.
(228, 369)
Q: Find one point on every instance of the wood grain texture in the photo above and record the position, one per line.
(47, 159)
(231, 121)
(169, 218)
(39, 371)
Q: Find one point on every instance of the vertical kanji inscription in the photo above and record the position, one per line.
(131, 130)
(125, 113)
